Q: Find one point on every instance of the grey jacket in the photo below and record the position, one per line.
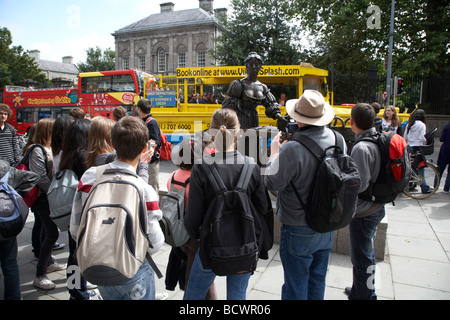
(295, 163)
(43, 168)
(367, 158)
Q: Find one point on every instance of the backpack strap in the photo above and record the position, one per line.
(315, 149)
(178, 183)
(214, 177)
(246, 174)
(217, 182)
(318, 153)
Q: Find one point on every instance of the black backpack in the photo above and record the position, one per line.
(231, 234)
(395, 168)
(334, 192)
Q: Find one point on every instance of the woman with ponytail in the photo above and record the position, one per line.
(229, 163)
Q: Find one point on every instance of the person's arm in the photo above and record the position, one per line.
(38, 164)
(154, 132)
(258, 197)
(195, 205)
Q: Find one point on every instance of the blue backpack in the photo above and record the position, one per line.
(13, 211)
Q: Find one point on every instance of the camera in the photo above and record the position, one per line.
(287, 126)
(151, 144)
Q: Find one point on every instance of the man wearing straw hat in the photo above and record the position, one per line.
(304, 252)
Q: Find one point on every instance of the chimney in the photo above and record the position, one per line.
(67, 59)
(166, 7)
(35, 54)
(221, 14)
(207, 5)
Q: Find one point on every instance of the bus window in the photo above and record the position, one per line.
(129, 109)
(114, 83)
(123, 82)
(60, 111)
(89, 85)
(104, 84)
(30, 115)
(19, 115)
(44, 113)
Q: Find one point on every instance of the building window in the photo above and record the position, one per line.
(161, 60)
(126, 63)
(201, 59)
(182, 60)
(141, 63)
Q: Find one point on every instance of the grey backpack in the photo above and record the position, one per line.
(60, 196)
(172, 206)
(112, 241)
(13, 211)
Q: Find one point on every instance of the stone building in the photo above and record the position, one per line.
(163, 42)
(62, 74)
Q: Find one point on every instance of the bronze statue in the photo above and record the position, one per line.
(244, 95)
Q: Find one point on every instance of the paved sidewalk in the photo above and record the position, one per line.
(416, 264)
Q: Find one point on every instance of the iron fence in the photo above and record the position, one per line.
(431, 94)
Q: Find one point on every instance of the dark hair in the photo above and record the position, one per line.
(129, 137)
(59, 132)
(420, 115)
(75, 143)
(363, 115)
(225, 127)
(376, 107)
(119, 112)
(145, 105)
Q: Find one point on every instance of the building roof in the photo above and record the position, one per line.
(170, 19)
(55, 66)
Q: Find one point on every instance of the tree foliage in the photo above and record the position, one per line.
(98, 60)
(260, 26)
(340, 28)
(16, 66)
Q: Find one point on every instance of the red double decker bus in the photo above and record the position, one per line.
(97, 93)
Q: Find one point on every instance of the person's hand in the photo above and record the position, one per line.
(275, 145)
(147, 155)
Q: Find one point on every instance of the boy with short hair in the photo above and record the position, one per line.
(129, 137)
(368, 214)
(154, 132)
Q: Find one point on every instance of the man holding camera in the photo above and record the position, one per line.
(304, 252)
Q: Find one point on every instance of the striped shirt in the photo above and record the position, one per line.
(9, 145)
(154, 214)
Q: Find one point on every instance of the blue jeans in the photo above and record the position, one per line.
(304, 254)
(200, 280)
(140, 287)
(362, 253)
(10, 269)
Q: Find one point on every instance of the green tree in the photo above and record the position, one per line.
(97, 60)
(340, 27)
(261, 26)
(16, 66)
